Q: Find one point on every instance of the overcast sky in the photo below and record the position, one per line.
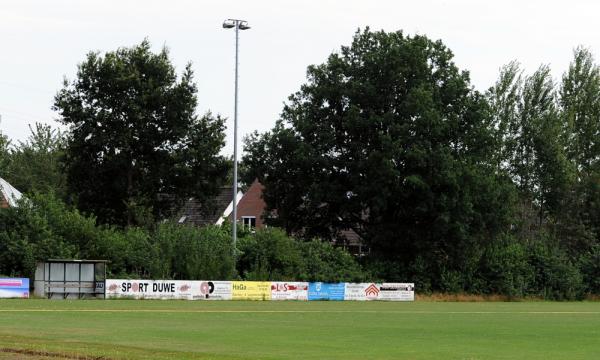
(41, 42)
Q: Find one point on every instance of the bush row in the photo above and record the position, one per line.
(43, 227)
(539, 268)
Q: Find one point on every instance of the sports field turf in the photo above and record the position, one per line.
(128, 329)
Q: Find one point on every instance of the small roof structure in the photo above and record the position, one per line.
(75, 261)
(9, 194)
(210, 212)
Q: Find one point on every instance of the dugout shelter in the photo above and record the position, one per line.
(70, 279)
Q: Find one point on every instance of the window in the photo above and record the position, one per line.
(249, 222)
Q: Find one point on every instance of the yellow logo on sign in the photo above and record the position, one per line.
(251, 290)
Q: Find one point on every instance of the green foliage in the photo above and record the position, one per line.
(27, 236)
(43, 227)
(133, 134)
(388, 138)
(555, 276)
(327, 263)
(35, 165)
(451, 189)
(194, 253)
(580, 102)
(525, 112)
(270, 254)
(590, 268)
(505, 269)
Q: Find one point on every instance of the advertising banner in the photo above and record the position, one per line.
(361, 291)
(326, 291)
(149, 289)
(281, 290)
(237, 290)
(14, 288)
(211, 290)
(385, 291)
(397, 292)
(251, 290)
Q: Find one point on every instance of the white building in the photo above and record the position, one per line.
(9, 196)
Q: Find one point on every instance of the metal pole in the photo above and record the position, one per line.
(235, 126)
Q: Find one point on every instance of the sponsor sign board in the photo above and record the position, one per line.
(361, 291)
(149, 289)
(385, 291)
(14, 288)
(251, 290)
(237, 290)
(211, 290)
(397, 292)
(281, 290)
(326, 291)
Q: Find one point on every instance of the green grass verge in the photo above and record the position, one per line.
(124, 329)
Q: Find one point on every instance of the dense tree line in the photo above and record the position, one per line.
(457, 190)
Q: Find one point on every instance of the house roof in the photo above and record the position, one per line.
(197, 213)
(9, 193)
(349, 237)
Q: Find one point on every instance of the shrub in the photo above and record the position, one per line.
(505, 269)
(555, 276)
(590, 269)
(270, 254)
(27, 236)
(326, 263)
(194, 253)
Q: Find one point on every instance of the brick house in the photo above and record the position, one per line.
(251, 207)
(250, 214)
(8, 195)
(251, 211)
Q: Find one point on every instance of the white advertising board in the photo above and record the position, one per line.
(149, 289)
(361, 291)
(397, 292)
(211, 290)
(385, 291)
(281, 290)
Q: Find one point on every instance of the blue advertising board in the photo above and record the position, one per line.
(326, 291)
(14, 288)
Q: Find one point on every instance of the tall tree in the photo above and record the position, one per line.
(580, 102)
(532, 151)
(135, 145)
(580, 106)
(387, 138)
(35, 164)
(504, 99)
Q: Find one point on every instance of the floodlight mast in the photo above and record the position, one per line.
(238, 25)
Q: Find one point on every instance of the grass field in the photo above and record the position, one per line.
(129, 329)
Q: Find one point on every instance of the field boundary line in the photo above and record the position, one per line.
(296, 311)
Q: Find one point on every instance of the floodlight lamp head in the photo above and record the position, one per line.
(243, 25)
(228, 24)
